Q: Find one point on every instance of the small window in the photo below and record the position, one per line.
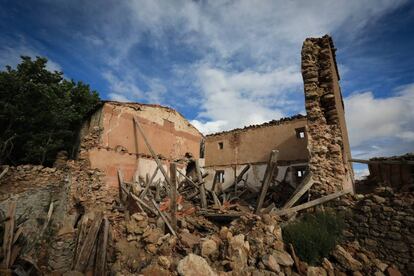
(220, 176)
(300, 133)
(300, 173)
(220, 145)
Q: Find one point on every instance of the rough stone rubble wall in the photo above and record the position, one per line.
(382, 222)
(325, 138)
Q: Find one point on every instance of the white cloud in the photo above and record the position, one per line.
(374, 121)
(124, 87)
(250, 53)
(361, 174)
(208, 127)
(118, 97)
(235, 99)
(11, 56)
(266, 30)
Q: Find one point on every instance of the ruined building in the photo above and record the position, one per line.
(227, 153)
(118, 209)
(112, 142)
(316, 143)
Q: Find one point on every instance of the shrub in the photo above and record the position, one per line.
(314, 236)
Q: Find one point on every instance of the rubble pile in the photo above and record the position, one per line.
(203, 244)
(250, 245)
(382, 222)
(324, 132)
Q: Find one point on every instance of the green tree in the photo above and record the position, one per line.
(40, 112)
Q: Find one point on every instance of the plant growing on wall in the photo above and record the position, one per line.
(40, 112)
(314, 236)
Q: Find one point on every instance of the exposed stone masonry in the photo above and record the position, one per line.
(324, 134)
(382, 222)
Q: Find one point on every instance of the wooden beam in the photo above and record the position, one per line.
(148, 184)
(304, 186)
(100, 265)
(173, 201)
(216, 199)
(157, 191)
(312, 203)
(140, 202)
(82, 230)
(202, 188)
(8, 235)
(88, 244)
(122, 195)
(154, 155)
(163, 217)
(213, 187)
(241, 174)
(270, 170)
(188, 179)
(4, 171)
(386, 161)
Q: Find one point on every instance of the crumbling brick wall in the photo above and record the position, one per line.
(327, 135)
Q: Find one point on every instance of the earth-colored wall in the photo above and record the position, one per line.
(119, 145)
(254, 144)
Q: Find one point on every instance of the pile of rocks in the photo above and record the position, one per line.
(251, 245)
(382, 222)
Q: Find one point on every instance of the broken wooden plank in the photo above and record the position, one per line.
(163, 217)
(100, 265)
(242, 173)
(82, 230)
(173, 201)
(122, 195)
(17, 234)
(203, 196)
(270, 170)
(215, 198)
(188, 179)
(154, 155)
(142, 203)
(213, 187)
(4, 171)
(304, 186)
(148, 184)
(49, 216)
(312, 203)
(15, 251)
(88, 244)
(158, 190)
(8, 235)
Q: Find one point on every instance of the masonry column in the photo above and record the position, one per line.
(327, 135)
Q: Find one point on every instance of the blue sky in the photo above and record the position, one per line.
(226, 64)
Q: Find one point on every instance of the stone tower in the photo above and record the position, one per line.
(327, 133)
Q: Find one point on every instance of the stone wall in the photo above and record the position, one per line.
(327, 134)
(382, 222)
